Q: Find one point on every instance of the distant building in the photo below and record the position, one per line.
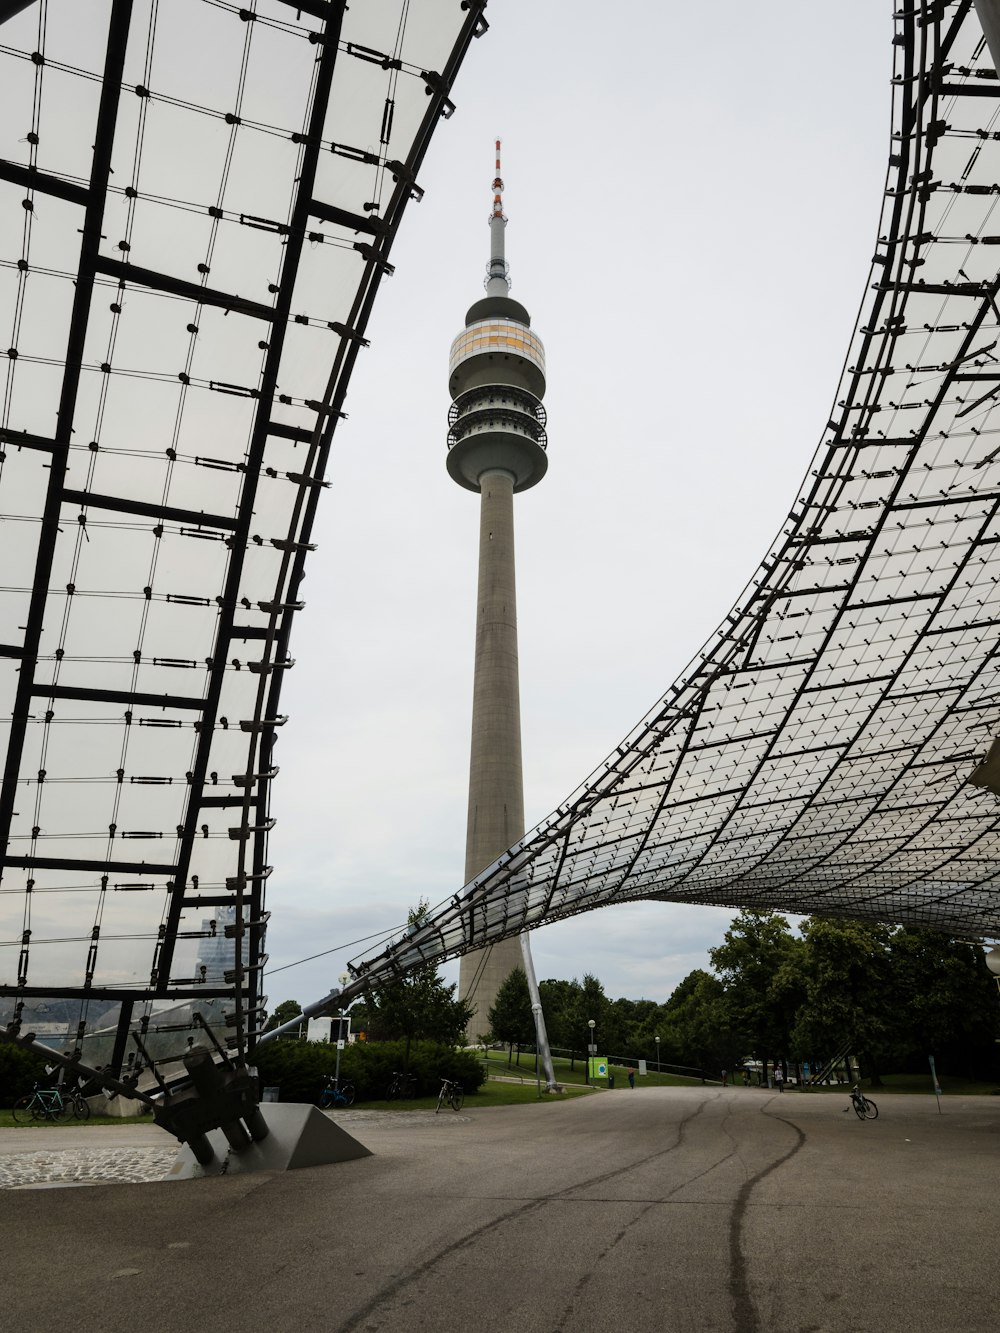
(216, 953)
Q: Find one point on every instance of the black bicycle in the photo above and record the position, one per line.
(864, 1107)
(401, 1085)
(451, 1094)
(75, 1104)
(336, 1094)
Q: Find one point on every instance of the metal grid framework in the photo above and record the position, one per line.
(191, 240)
(814, 756)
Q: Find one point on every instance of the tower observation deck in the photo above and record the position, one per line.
(496, 446)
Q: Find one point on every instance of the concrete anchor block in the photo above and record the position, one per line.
(300, 1135)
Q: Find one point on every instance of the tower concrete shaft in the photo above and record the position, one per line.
(496, 791)
(496, 788)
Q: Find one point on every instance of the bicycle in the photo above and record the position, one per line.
(864, 1107)
(75, 1104)
(46, 1104)
(451, 1094)
(402, 1085)
(336, 1094)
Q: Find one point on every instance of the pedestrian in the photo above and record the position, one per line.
(724, 1078)
(779, 1077)
(746, 1077)
(631, 1078)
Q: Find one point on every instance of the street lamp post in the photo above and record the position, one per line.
(344, 979)
(591, 1023)
(657, 1040)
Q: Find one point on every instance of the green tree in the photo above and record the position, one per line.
(559, 1005)
(697, 1028)
(417, 1006)
(591, 1003)
(760, 965)
(945, 1000)
(19, 1071)
(622, 1025)
(848, 993)
(283, 1013)
(645, 1019)
(511, 1019)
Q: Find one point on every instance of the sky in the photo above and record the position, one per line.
(693, 199)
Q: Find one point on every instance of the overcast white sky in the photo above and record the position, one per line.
(693, 195)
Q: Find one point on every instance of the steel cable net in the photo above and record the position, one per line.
(196, 204)
(814, 757)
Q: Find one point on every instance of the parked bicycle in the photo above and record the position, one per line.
(336, 1094)
(451, 1094)
(402, 1085)
(864, 1107)
(75, 1104)
(50, 1104)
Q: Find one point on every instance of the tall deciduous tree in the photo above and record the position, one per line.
(848, 993)
(559, 1005)
(285, 1011)
(591, 1003)
(698, 1029)
(511, 1019)
(417, 1006)
(759, 963)
(946, 999)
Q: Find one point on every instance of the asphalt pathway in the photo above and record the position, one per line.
(665, 1209)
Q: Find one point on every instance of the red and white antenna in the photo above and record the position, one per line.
(498, 190)
(497, 270)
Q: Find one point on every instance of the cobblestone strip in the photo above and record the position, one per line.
(85, 1166)
(135, 1166)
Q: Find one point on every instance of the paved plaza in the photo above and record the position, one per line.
(665, 1209)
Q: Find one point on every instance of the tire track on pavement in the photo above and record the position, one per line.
(580, 1288)
(746, 1317)
(394, 1287)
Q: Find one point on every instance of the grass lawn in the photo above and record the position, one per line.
(7, 1121)
(492, 1093)
(916, 1083)
(564, 1074)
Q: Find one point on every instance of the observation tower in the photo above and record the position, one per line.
(496, 446)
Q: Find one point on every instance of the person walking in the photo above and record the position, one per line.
(631, 1078)
(779, 1077)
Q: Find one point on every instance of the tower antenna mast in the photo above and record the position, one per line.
(497, 270)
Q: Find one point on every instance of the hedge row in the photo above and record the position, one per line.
(299, 1068)
(20, 1070)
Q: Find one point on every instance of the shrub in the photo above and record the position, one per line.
(299, 1067)
(20, 1070)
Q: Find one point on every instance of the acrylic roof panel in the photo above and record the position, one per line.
(191, 238)
(815, 756)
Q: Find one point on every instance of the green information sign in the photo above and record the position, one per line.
(598, 1066)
